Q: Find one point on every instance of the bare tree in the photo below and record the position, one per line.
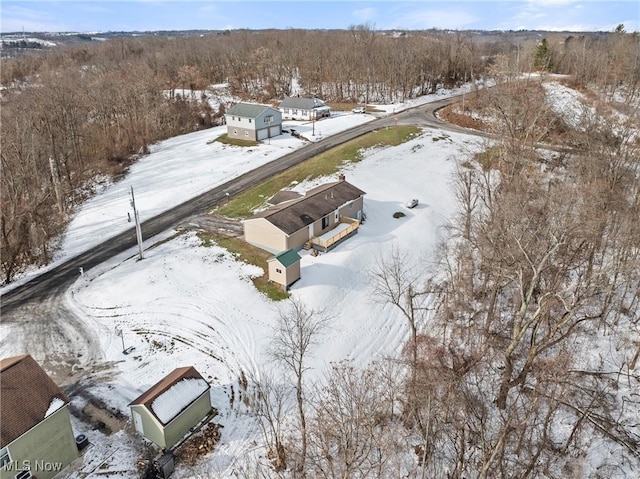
(350, 434)
(297, 332)
(396, 282)
(268, 402)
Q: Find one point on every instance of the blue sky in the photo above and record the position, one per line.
(145, 15)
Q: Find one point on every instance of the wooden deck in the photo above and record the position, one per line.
(327, 241)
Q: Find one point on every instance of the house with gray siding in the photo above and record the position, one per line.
(36, 438)
(320, 219)
(296, 108)
(166, 412)
(252, 121)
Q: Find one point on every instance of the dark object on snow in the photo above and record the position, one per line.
(82, 441)
(164, 464)
(398, 214)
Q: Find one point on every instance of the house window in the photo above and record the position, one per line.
(325, 222)
(278, 270)
(4, 457)
(249, 120)
(295, 112)
(268, 119)
(24, 474)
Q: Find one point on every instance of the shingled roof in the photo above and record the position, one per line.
(27, 393)
(146, 399)
(247, 110)
(317, 203)
(302, 103)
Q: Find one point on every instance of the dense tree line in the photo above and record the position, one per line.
(524, 337)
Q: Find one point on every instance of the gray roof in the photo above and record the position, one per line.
(302, 103)
(282, 196)
(294, 215)
(247, 110)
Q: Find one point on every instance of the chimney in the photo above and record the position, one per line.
(341, 177)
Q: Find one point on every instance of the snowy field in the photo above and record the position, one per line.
(183, 167)
(186, 304)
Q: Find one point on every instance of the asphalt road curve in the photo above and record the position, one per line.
(56, 280)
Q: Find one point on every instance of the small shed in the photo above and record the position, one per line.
(284, 268)
(166, 412)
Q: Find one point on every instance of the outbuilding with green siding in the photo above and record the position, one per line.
(36, 438)
(166, 412)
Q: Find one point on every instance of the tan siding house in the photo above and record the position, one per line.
(166, 412)
(291, 224)
(36, 438)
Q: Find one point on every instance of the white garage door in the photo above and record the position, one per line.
(274, 131)
(262, 134)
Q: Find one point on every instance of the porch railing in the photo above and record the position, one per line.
(328, 242)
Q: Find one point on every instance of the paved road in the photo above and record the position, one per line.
(38, 321)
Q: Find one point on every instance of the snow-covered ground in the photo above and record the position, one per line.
(183, 167)
(186, 304)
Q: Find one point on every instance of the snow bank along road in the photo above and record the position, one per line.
(35, 306)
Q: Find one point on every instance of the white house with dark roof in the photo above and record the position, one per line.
(296, 108)
(166, 412)
(252, 121)
(36, 438)
(320, 219)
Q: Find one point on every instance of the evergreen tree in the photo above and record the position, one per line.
(543, 59)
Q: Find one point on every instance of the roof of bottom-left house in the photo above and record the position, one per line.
(27, 397)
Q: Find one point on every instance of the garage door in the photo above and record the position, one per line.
(274, 130)
(262, 134)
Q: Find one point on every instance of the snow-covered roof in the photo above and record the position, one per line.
(56, 403)
(176, 399)
(173, 393)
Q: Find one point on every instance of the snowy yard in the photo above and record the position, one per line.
(187, 304)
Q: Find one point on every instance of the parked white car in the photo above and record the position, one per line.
(359, 109)
(412, 203)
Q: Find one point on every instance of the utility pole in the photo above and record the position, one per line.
(137, 219)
